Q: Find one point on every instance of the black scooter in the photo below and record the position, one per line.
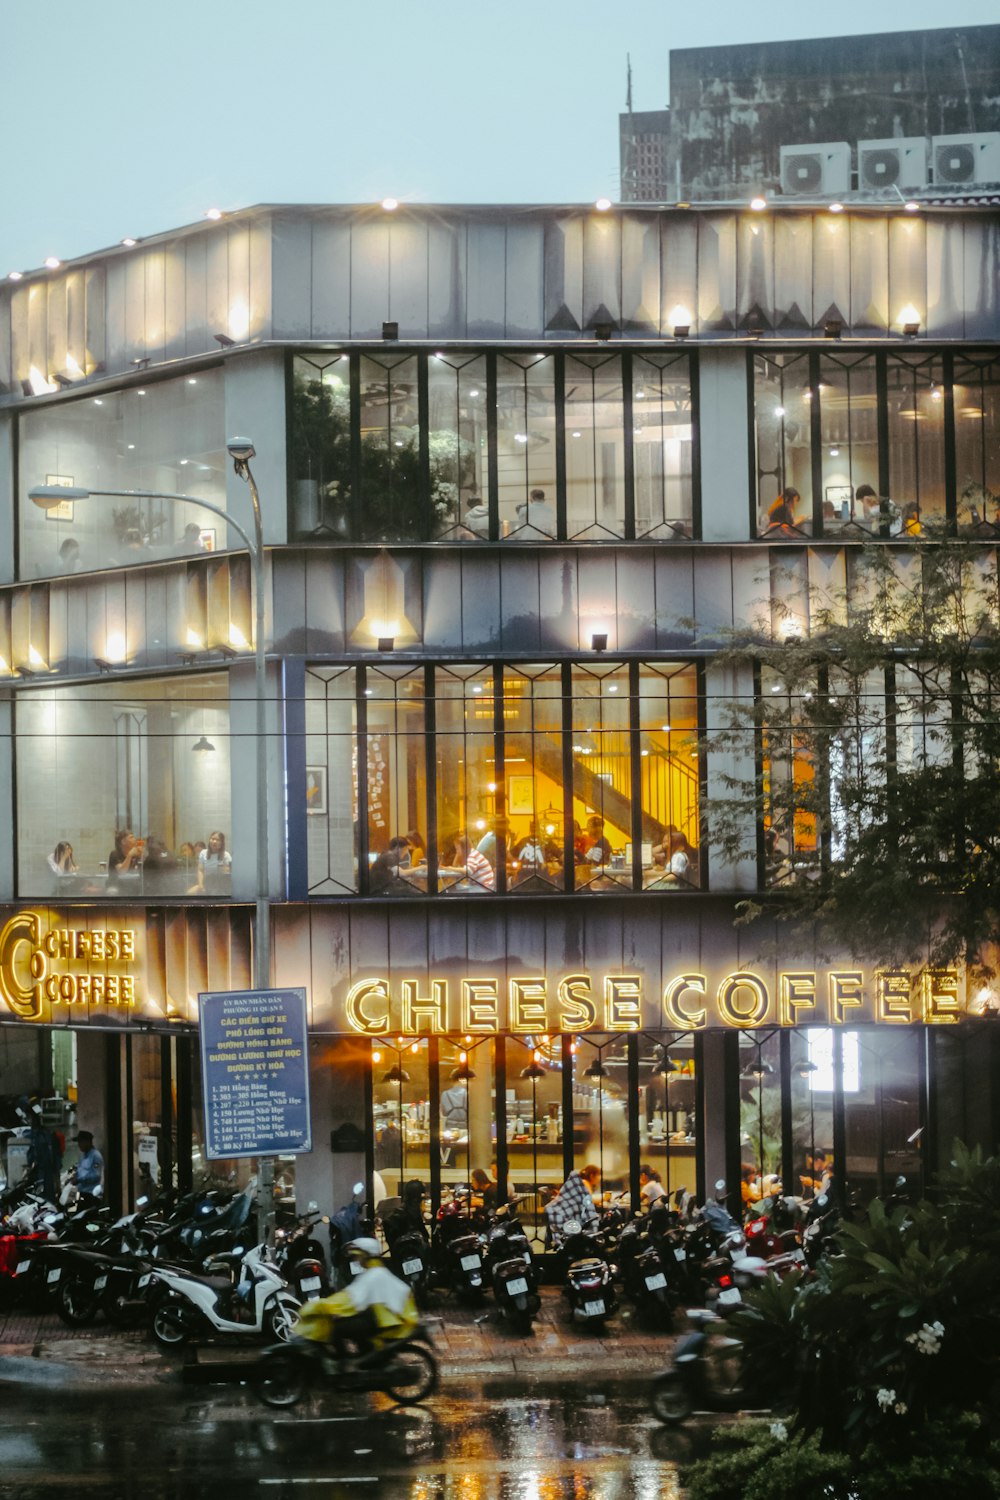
(512, 1271)
(588, 1283)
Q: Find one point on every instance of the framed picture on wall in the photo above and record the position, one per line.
(64, 510)
(206, 537)
(315, 789)
(839, 495)
(520, 799)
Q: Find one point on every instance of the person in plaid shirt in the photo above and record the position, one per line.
(574, 1202)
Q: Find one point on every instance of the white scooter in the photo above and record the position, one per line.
(261, 1301)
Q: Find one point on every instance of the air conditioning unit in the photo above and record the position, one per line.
(900, 163)
(966, 160)
(822, 171)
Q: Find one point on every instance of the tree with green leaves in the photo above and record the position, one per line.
(867, 746)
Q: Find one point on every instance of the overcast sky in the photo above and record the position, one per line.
(125, 117)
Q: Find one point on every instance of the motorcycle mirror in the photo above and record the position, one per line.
(325, 1219)
(141, 1202)
(358, 1189)
(822, 1200)
(720, 1186)
(312, 1208)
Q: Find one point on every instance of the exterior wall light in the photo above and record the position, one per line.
(223, 340)
(15, 275)
(386, 642)
(603, 331)
(390, 204)
(599, 640)
(758, 204)
(129, 243)
(201, 745)
(52, 262)
(602, 205)
(213, 213)
(390, 331)
(833, 328)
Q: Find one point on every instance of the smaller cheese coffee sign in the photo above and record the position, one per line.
(53, 970)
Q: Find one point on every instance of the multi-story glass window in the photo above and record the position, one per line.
(168, 435)
(977, 441)
(791, 839)
(595, 470)
(319, 448)
(663, 446)
(332, 792)
(480, 445)
(526, 446)
(782, 418)
(123, 789)
(513, 778)
(849, 452)
(457, 445)
(915, 397)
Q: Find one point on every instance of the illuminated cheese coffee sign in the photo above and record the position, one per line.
(50, 969)
(529, 1004)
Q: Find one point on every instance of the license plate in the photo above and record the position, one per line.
(100, 1283)
(594, 1309)
(680, 1255)
(22, 1267)
(730, 1294)
(53, 1276)
(517, 1286)
(411, 1267)
(470, 1262)
(655, 1282)
(145, 1280)
(311, 1284)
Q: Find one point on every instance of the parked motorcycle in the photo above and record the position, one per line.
(588, 1283)
(259, 1302)
(409, 1244)
(644, 1275)
(405, 1370)
(457, 1249)
(300, 1257)
(512, 1271)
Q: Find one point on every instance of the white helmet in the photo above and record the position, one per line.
(365, 1247)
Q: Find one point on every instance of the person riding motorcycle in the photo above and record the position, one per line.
(372, 1310)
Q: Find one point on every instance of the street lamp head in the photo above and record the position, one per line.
(241, 450)
(48, 496)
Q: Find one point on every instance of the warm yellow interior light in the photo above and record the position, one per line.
(237, 638)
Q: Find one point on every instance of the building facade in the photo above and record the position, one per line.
(517, 469)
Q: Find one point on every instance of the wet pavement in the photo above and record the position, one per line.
(557, 1416)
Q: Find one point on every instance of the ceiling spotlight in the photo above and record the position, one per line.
(463, 1072)
(213, 213)
(912, 207)
(390, 204)
(201, 745)
(129, 242)
(534, 1069)
(223, 340)
(15, 275)
(53, 262)
(390, 331)
(596, 1069)
(602, 205)
(758, 204)
(804, 1069)
(599, 640)
(758, 1069)
(833, 328)
(836, 208)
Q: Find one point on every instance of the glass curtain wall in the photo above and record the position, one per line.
(977, 451)
(401, 1118)
(667, 1086)
(663, 446)
(473, 445)
(600, 1109)
(916, 409)
(849, 446)
(168, 435)
(123, 787)
(782, 431)
(791, 842)
(531, 767)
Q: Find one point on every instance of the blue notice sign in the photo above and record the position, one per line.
(255, 1073)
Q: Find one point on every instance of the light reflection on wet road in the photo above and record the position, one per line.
(221, 1443)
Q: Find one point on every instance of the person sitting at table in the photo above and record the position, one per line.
(61, 861)
(598, 850)
(781, 515)
(489, 843)
(579, 844)
(477, 867)
(530, 851)
(127, 855)
(214, 861)
(676, 854)
(484, 1190)
(535, 516)
(385, 870)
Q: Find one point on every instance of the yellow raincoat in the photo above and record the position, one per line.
(376, 1289)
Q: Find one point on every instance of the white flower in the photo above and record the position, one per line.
(900, 1408)
(779, 1431)
(927, 1339)
(885, 1398)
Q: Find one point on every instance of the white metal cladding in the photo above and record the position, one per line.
(496, 274)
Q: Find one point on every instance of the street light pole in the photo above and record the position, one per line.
(241, 450)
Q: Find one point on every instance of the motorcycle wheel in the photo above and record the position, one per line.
(412, 1375)
(279, 1320)
(280, 1380)
(76, 1302)
(170, 1326)
(669, 1400)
